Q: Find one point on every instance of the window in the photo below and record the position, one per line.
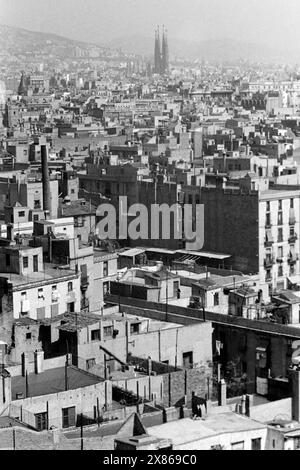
(41, 293)
(134, 328)
(41, 421)
(71, 307)
(280, 271)
(35, 217)
(268, 219)
(54, 310)
(108, 331)
(21, 213)
(37, 204)
(280, 235)
(237, 445)
(279, 218)
(70, 286)
(105, 287)
(105, 268)
(25, 262)
(95, 335)
(40, 313)
(28, 335)
(216, 299)
(292, 269)
(187, 359)
(280, 205)
(292, 203)
(7, 259)
(35, 263)
(72, 191)
(280, 252)
(90, 363)
(68, 417)
(268, 206)
(296, 443)
(256, 444)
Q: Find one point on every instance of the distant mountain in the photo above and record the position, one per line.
(212, 49)
(18, 41)
(21, 42)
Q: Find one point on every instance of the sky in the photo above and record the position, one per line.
(270, 22)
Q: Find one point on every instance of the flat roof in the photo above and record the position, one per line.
(188, 430)
(278, 194)
(52, 381)
(132, 252)
(50, 274)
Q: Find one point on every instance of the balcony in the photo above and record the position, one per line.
(292, 259)
(292, 221)
(84, 282)
(279, 259)
(54, 297)
(268, 243)
(293, 238)
(268, 263)
(84, 304)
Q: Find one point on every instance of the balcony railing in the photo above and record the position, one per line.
(84, 281)
(292, 221)
(269, 262)
(279, 259)
(293, 238)
(293, 259)
(268, 242)
(84, 304)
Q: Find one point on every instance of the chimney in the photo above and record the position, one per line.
(25, 362)
(222, 393)
(249, 403)
(295, 378)
(149, 365)
(38, 361)
(46, 181)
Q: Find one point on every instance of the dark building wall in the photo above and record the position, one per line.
(231, 226)
(239, 346)
(178, 384)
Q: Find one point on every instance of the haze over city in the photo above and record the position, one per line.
(272, 23)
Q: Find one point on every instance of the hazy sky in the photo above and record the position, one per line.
(272, 22)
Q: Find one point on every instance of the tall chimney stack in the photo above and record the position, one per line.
(46, 181)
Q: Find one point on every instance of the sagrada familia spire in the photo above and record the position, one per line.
(161, 53)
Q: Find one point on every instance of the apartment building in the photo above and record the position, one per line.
(279, 236)
(35, 289)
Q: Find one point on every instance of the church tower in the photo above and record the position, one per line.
(157, 53)
(165, 53)
(22, 90)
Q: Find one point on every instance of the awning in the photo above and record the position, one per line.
(204, 254)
